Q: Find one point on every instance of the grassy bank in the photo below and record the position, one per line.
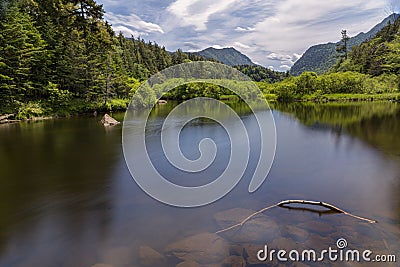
(340, 97)
(351, 97)
(44, 109)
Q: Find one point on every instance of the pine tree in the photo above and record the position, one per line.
(342, 48)
(21, 51)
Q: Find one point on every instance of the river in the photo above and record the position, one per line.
(68, 199)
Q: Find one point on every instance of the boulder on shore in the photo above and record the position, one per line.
(107, 120)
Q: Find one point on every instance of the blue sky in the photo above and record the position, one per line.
(273, 33)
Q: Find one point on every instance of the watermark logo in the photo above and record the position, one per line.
(134, 134)
(341, 243)
(333, 254)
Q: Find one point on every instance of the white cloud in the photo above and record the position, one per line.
(216, 46)
(240, 45)
(132, 24)
(280, 57)
(298, 24)
(297, 56)
(126, 31)
(196, 13)
(245, 29)
(284, 59)
(284, 67)
(273, 33)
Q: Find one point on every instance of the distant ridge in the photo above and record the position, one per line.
(229, 56)
(320, 58)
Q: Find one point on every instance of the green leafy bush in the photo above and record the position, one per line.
(30, 110)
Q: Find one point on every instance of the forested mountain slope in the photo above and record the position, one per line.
(320, 58)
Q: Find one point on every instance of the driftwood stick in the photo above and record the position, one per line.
(297, 201)
(6, 116)
(246, 219)
(308, 202)
(9, 121)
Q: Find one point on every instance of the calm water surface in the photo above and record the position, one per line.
(67, 198)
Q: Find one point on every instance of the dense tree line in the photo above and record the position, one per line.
(61, 55)
(261, 74)
(53, 51)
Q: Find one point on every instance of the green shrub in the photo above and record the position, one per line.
(57, 98)
(233, 98)
(117, 104)
(30, 110)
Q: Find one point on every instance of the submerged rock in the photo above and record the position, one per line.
(117, 256)
(107, 120)
(295, 233)
(319, 227)
(234, 261)
(202, 248)
(188, 264)
(250, 253)
(149, 257)
(102, 265)
(259, 229)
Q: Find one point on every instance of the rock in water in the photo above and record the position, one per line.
(188, 264)
(117, 256)
(149, 257)
(102, 265)
(107, 120)
(202, 248)
(234, 261)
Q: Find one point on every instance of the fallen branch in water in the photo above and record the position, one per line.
(305, 202)
(6, 116)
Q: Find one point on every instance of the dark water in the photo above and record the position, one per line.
(67, 198)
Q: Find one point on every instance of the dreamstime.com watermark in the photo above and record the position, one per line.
(340, 253)
(138, 160)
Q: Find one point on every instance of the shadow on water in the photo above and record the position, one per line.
(67, 198)
(52, 173)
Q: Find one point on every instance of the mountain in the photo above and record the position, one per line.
(320, 58)
(229, 56)
(380, 55)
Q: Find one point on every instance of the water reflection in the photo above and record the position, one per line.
(67, 198)
(52, 174)
(376, 124)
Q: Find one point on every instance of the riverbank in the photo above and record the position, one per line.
(394, 97)
(38, 110)
(41, 110)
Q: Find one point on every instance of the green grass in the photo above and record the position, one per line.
(350, 97)
(271, 97)
(38, 109)
(233, 98)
